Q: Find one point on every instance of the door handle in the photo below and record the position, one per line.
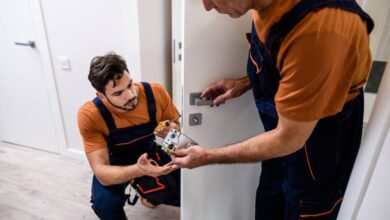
(200, 102)
(27, 44)
(195, 99)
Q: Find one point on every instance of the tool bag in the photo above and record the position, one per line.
(155, 190)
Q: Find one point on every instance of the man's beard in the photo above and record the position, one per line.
(132, 106)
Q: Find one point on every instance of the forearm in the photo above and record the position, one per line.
(245, 83)
(111, 175)
(287, 138)
(262, 147)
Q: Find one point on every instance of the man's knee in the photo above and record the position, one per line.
(109, 206)
(108, 202)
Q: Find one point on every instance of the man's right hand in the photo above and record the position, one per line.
(226, 89)
(147, 167)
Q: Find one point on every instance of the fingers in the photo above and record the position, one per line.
(212, 91)
(219, 92)
(222, 98)
(143, 159)
(169, 164)
(172, 168)
(167, 168)
(150, 168)
(173, 125)
(180, 162)
(181, 152)
(175, 167)
(160, 170)
(206, 93)
(183, 158)
(162, 133)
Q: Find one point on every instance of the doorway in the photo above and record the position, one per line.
(29, 112)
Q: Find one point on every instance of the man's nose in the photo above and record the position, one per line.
(130, 94)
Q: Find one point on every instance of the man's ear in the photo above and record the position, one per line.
(100, 95)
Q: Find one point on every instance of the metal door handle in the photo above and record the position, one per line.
(195, 99)
(28, 44)
(200, 102)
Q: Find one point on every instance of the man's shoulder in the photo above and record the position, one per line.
(88, 106)
(88, 110)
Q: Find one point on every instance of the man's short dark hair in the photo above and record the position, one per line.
(104, 69)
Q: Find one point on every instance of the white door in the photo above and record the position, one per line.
(26, 116)
(367, 195)
(379, 10)
(214, 47)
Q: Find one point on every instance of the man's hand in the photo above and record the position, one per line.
(149, 167)
(226, 89)
(191, 157)
(163, 131)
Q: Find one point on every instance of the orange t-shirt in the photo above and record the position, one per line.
(323, 61)
(93, 128)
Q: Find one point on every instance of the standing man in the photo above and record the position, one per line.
(307, 65)
(117, 128)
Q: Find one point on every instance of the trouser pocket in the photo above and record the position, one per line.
(319, 210)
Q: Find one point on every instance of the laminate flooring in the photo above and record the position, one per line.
(45, 186)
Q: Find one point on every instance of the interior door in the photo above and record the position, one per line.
(25, 113)
(379, 10)
(367, 195)
(214, 47)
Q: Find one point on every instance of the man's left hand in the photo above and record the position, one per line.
(162, 132)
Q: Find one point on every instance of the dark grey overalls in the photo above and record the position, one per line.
(125, 146)
(310, 183)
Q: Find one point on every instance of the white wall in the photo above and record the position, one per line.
(379, 10)
(377, 198)
(383, 51)
(81, 30)
(155, 39)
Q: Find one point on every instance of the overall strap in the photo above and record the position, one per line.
(151, 102)
(294, 16)
(105, 114)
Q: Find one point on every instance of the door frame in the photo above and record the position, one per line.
(371, 147)
(372, 141)
(48, 73)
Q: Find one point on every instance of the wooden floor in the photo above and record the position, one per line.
(41, 185)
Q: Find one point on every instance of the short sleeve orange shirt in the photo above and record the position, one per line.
(93, 128)
(323, 61)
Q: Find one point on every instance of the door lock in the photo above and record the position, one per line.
(195, 119)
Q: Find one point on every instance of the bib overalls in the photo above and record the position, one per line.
(310, 183)
(125, 146)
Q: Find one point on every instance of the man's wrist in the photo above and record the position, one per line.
(210, 156)
(134, 171)
(246, 83)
